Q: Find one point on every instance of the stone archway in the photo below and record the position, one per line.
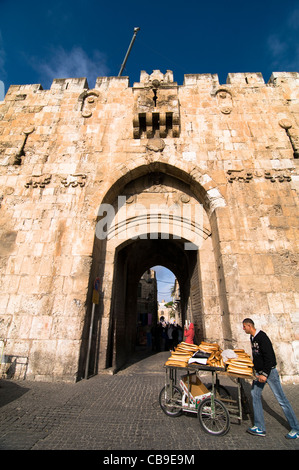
(203, 186)
(121, 260)
(132, 259)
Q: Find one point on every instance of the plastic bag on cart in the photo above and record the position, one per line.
(199, 357)
(228, 354)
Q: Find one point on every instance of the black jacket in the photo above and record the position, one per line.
(263, 355)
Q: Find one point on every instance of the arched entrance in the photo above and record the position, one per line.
(150, 218)
(131, 261)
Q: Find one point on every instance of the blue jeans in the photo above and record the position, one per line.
(275, 385)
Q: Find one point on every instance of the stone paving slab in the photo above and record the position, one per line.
(122, 412)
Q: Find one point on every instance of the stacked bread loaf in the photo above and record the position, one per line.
(242, 364)
(181, 355)
(215, 358)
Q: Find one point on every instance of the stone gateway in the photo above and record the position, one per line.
(99, 185)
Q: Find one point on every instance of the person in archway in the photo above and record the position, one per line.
(189, 334)
(157, 334)
(175, 336)
(180, 333)
(264, 361)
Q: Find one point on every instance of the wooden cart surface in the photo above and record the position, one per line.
(214, 411)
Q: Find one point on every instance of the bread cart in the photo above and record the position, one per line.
(214, 407)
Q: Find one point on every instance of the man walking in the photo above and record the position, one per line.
(264, 361)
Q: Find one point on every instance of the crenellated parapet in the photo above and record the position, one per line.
(154, 107)
(150, 81)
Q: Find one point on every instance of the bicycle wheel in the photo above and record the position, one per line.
(170, 400)
(213, 417)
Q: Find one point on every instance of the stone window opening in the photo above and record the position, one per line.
(142, 123)
(152, 125)
(168, 121)
(156, 124)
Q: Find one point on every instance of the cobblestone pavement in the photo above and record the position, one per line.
(122, 412)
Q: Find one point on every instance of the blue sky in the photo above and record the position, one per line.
(165, 283)
(40, 41)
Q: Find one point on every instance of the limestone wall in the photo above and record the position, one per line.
(65, 149)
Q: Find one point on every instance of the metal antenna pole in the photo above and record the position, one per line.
(128, 51)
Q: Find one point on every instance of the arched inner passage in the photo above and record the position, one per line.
(156, 219)
(147, 309)
(132, 261)
(159, 320)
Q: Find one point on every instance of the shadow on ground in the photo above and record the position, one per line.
(145, 361)
(10, 391)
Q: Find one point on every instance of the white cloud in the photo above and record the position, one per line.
(293, 20)
(283, 45)
(71, 64)
(276, 45)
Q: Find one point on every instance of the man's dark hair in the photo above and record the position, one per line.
(248, 320)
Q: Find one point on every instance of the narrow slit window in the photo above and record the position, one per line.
(156, 122)
(142, 123)
(168, 121)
